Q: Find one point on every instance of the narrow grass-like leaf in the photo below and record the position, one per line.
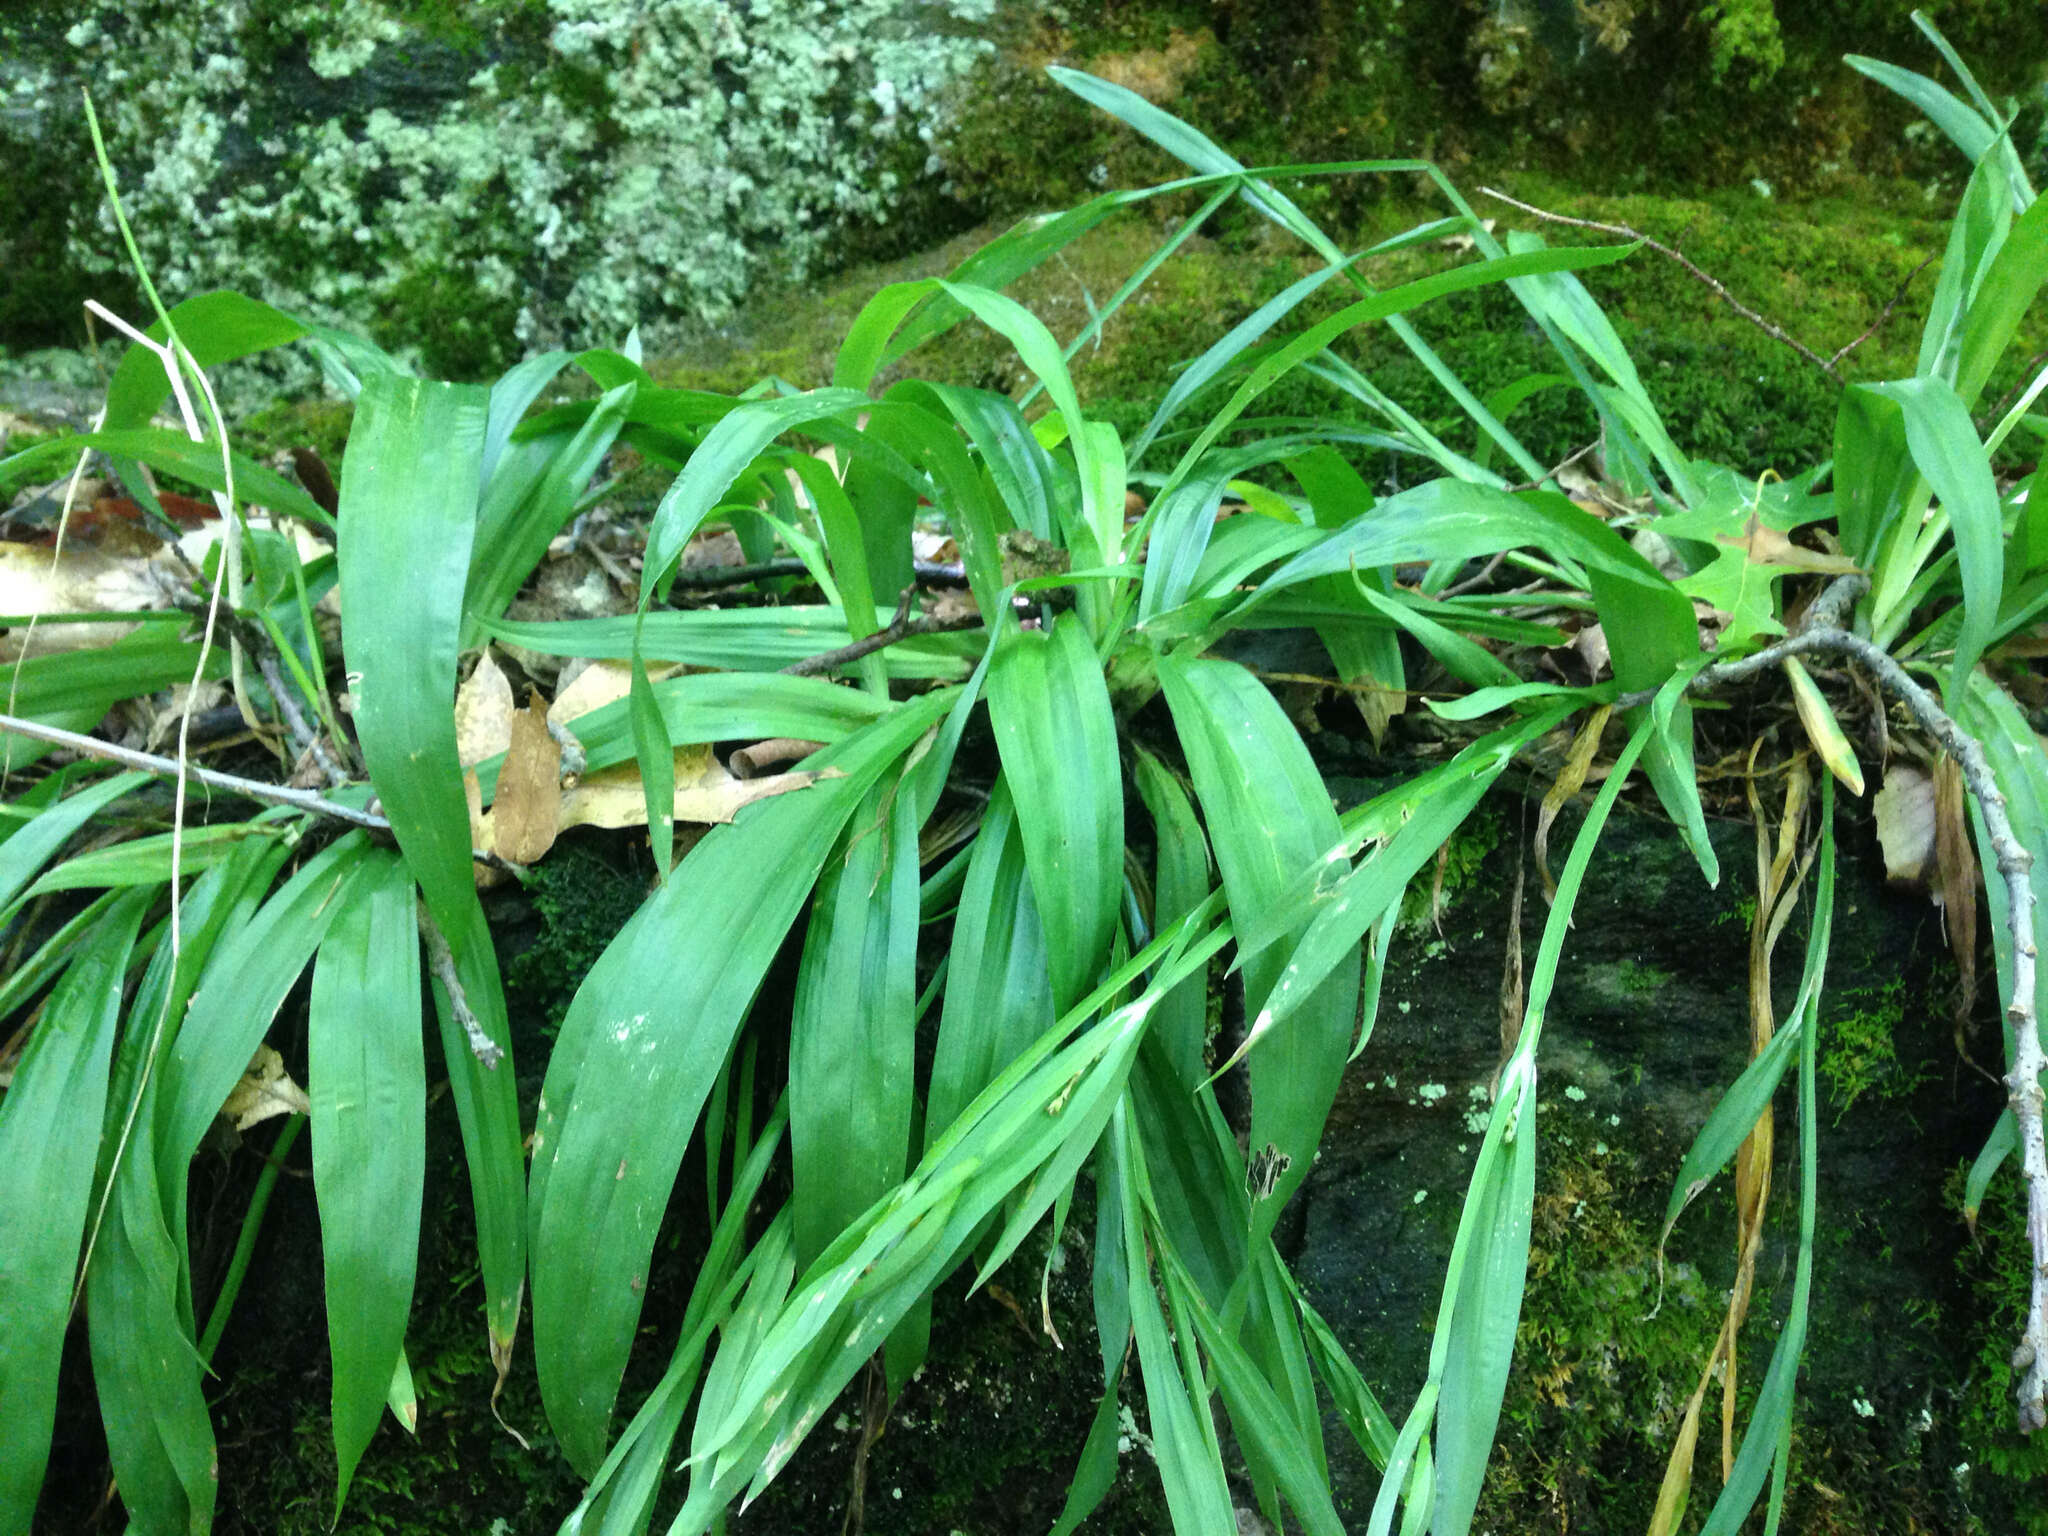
(1964, 127)
(1182, 1437)
(511, 539)
(634, 1037)
(740, 639)
(1180, 882)
(1475, 1336)
(29, 848)
(1733, 1117)
(1269, 817)
(239, 993)
(726, 451)
(366, 1077)
(49, 1134)
(147, 860)
(219, 327)
(853, 1028)
(998, 983)
(1770, 1420)
(719, 706)
(2004, 295)
(173, 453)
(408, 520)
(1328, 907)
(1057, 736)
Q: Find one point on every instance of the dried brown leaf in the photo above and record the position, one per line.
(1955, 862)
(529, 797)
(263, 1091)
(1571, 778)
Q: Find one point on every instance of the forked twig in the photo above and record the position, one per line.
(901, 627)
(1770, 328)
(1824, 635)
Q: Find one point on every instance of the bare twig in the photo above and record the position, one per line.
(901, 627)
(1883, 315)
(1561, 466)
(250, 789)
(441, 960)
(2023, 1081)
(304, 738)
(1769, 328)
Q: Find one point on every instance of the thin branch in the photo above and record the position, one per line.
(901, 627)
(250, 789)
(1769, 328)
(441, 960)
(2023, 1081)
(1883, 315)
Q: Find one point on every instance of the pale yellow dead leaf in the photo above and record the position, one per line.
(705, 792)
(599, 684)
(529, 795)
(263, 1091)
(1904, 809)
(483, 712)
(76, 579)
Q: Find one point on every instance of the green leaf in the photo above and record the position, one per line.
(1269, 817)
(176, 454)
(1181, 882)
(852, 1044)
(741, 639)
(219, 327)
(32, 846)
(408, 519)
(49, 1135)
(1057, 737)
(512, 536)
(366, 1078)
(728, 448)
(998, 977)
(1183, 1437)
(633, 1040)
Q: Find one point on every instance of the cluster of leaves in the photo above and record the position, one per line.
(1152, 805)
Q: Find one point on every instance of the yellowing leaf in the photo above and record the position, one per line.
(1822, 729)
(263, 1091)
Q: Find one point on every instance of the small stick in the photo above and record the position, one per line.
(1774, 331)
(250, 789)
(902, 627)
(441, 960)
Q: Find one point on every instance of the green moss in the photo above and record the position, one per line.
(321, 425)
(581, 902)
(1859, 1047)
(1604, 1366)
(1997, 1268)
(1461, 860)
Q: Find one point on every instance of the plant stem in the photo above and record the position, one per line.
(252, 1228)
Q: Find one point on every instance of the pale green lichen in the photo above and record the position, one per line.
(566, 170)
